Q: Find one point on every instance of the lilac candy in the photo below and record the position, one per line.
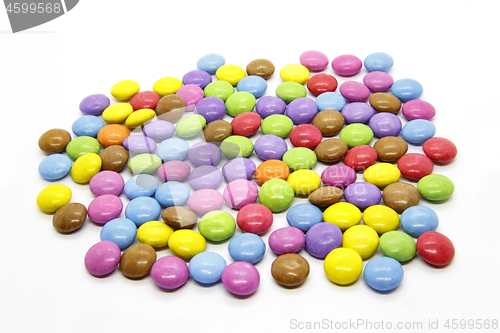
(173, 171)
(239, 193)
(139, 144)
(378, 81)
(159, 130)
(198, 77)
(322, 238)
(204, 153)
(287, 240)
(102, 258)
(357, 112)
(270, 147)
(211, 108)
(338, 175)
(205, 176)
(385, 124)
(94, 104)
(269, 105)
(238, 168)
(106, 182)
(169, 272)
(363, 195)
(354, 91)
(301, 110)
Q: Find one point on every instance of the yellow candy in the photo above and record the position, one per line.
(304, 181)
(230, 73)
(167, 86)
(139, 117)
(382, 174)
(343, 266)
(381, 218)
(343, 214)
(186, 243)
(53, 197)
(362, 239)
(117, 113)
(125, 89)
(295, 73)
(85, 167)
(154, 233)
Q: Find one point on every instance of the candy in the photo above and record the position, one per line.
(381, 218)
(238, 168)
(418, 109)
(385, 102)
(230, 73)
(240, 102)
(190, 126)
(326, 196)
(415, 166)
(271, 169)
(170, 108)
(204, 153)
(179, 217)
(288, 91)
(54, 167)
(338, 175)
(205, 176)
(362, 195)
(330, 101)
(174, 170)
(87, 126)
(383, 274)
(69, 217)
(120, 231)
(197, 77)
(362, 239)
(385, 124)
(357, 112)
(167, 85)
(172, 149)
(158, 130)
(269, 105)
(331, 150)
(54, 141)
(102, 258)
(145, 100)
(85, 167)
(170, 272)
(240, 192)
(140, 186)
(295, 73)
(125, 89)
(210, 62)
(142, 209)
(144, 163)
(211, 108)
(253, 84)
(354, 91)
(435, 248)
(304, 181)
(321, 83)
(378, 61)
(300, 158)
(206, 268)
(378, 81)
(114, 158)
(241, 278)
(314, 60)
(94, 104)
(301, 110)
(172, 193)
(82, 145)
(290, 270)
(104, 208)
(360, 157)
(221, 89)
(304, 216)
(276, 194)
(236, 146)
(305, 135)
(261, 67)
(186, 243)
(247, 247)
(356, 135)
(255, 218)
(110, 135)
(342, 214)
(137, 260)
(346, 65)
(270, 147)
(440, 150)
(343, 266)
(398, 245)
(390, 148)
(382, 174)
(154, 233)
(286, 240)
(418, 219)
(205, 200)
(407, 89)
(277, 124)
(217, 131)
(139, 144)
(191, 94)
(418, 131)
(246, 124)
(329, 122)
(435, 187)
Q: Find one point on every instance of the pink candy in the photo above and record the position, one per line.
(107, 182)
(104, 208)
(241, 278)
(240, 192)
(170, 272)
(191, 94)
(205, 200)
(354, 91)
(338, 175)
(287, 240)
(418, 109)
(173, 171)
(314, 60)
(102, 258)
(378, 81)
(347, 65)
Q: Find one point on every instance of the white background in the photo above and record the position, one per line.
(450, 47)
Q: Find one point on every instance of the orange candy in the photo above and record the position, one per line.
(113, 134)
(271, 169)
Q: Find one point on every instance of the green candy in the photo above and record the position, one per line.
(82, 145)
(356, 135)
(288, 91)
(144, 163)
(221, 89)
(190, 126)
(240, 102)
(435, 187)
(277, 124)
(398, 245)
(236, 146)
(300, 158)
(217, 226)
(276, 194)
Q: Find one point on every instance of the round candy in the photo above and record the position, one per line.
(290, 270)
(255, 218)
(322, 238)
(53, 197)
(383, 274)
(253, 84)
(261, 67)
(418, 131)
(385, 124)
(205, 200)
(211, 108)
(331, 150)
(87, 126)
(154, 233)
(342, 214)
(106, 182)
(120, 231)
(54, 141)
(140, 186)
(343, 266)
(139, 117)
(173, 170)
(305, 135)
(125, 89)
(144, 163)
(172, 149)
(241, 278)
(271, 169)
(378, 81)
(94, 104)
(221, 89)
(55, 166)
(357, 112)
(210, 63)
(436, 187)
(217, 131)
(415, 166)
(240, 192)
(381, 218)
(85, 167)
(230, 73)
(240, 102)
(139, 144)
(270, 147)
(362, 195)
(142, 209)
(238, 168)
(287, 240)
(321, 83)
(435, 248)
(102, 258)
(205, 176)
(145, 100)
(385, 102)
(158, 130)
(170, 272)
(206, 268)
(329, 122)
(356, 135)
(304, 181)
(295, 73)
(69, 217)
(418, 109)
(197, 77)
(247, 247)
(236, 146)
(330, 101)
(191, 94)
(170, 108)
(190, 126)
(288, 91)
(354, 91)
(172, 193)
(378, 61)
(440, 150)
(204, 153)
(246, 124)
(82, 145)
(362, 239)
(326, 196)
(390, 148)
(186, 243)
(314, 60)
(407, 89)
(114, 158)
(137, 260)
(269, 105)
(179, 217)
(419, 219)
(382, 174)
(346, 65)
(304, 216)
(167, 85)
(276, 194)
(110, 135)
(338, 175)
(300, 158)
(277, 124)
(398, 245)
(301, 110)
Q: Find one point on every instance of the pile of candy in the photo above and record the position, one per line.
(138, 131)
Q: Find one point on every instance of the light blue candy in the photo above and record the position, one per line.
(120, 231)
(172, 149)
(418, 219)
(378, 61)
(172, 194)
(210, 62)
(87, 126)
(330, 101)
(142, 209)
(253, 84)
(54, 166)
(418, 131)
(304, 216)
(247, 247)
(407, 89)
(383, 273)
(206, 267)
(140, 186)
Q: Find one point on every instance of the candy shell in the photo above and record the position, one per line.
(206, 268)
(230, 73)
(304, 216)
(102, 258)
(120, 231)
(205, 200)
(346, 65)
(238, 168)
(217, 226)
(106, 182)
(261, 67)
(343, 266)
(322, 238)
(241, 278)
(53, 197)
(172, 149)
(144, 163)
(142, 209)
(378, 61)
(145, 100)
(418, 219)
(210, 62)
(54, 167)
(125, 89)
(186, 243)
(254, 218)
(197, 77)
(276, 194)
(211, 108)
(205, 176)
(269, 105)
(436, 187)
(314, 60)
(286, 240)
(253, 84)
(167, 85)
(440, 150)
(362, 239)
(87, 126)
(383, 274)
(172, 193)
(170, 272)
(140, 186)
(191, 94)
(94, 104)
(246, 124)
(435, 248)
(85, 167)
(137, 260)
(240, 192)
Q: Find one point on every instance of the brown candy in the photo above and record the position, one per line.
(217, 131)
(170, 108)
(54, 141)
(326, 196)
(331, 150)
(137, 260)
(390, 148)
(400, 196)
(114, 158)
(290, 270)
(261, 67)
(329, 122)
(69, 217)
(385, 102)
(179, 217)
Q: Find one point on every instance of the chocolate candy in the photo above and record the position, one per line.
(418, 219)
(217, 131)
(167, 85)
(271, 169)
(204, 176)
(418, 109)
(105, 208)
(253, 84)
(415, 166)
(142, 209)
(378, 61)
(356, 135)
(210, 62)
(300, 158)
(137, 260)
(179, 217)
(357, 112)
(120, 231)
(418, 131)
(378, 81)
(114, 158)
(436, 187)
(288, 91)
(154, 233)
(354, 91)
(435, 248)
(144, 163)
(204, 153)
(85, 167)
(440, 150)
(362, 239)
(304, 181)
(362, 194)
(322, 238)
(261, 67)
(221, 89)
(69, 217)
(407, 89)
(170, 108)
(385, 124)
(145, 100)
(205, 200)
(331, 150)
(241, 278)
(190, 126)
(173, 149)
(112, 134)
(82, 145)
(361, 157)
(383, 274)
(338, 175)
(230, 73)
(139, 144)
(197, 77)
(343, 266)
(255, 218)
(326, 196)
(305, 135)
(54, 167)
(140, 186)
(295, 73)
(270, 147)
(170, 272)
(54, 141)
(286, 240)
(94, 104)
(304, 216)
(329, 122)
(247, 247)
(301, 110)
(400, 196)
(385, 102)
(346, 65)
(390, 148)
(240, 102)
(186, 243)
(191, 94)
(290, 270)
(321, 83)
(330, 101)
(174, 170)
(217, 226)
(314, 60)
(238, 168)
(158, 130)
(125, 89)
(236, 146)
(276, 194)
(102, 258)
(87, 126)
(269, 105)
(239, 193)
(277, 124)
(172, 193)
(211, 108)
(246, 124)
(398, 245)
(206, 268)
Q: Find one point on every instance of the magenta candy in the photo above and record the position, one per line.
(102, 258)
(287, 240)
(205, 200)
(241, 278)
(191, 94)
(159, 130)
(104, 208)
(174, 171)
(347, 65)
(169, 272)
(354, 91)
(139, 144)
(240, 192)
(418, 109)
(314, 60)
(106, 182)
(338, 175)
(378, 81)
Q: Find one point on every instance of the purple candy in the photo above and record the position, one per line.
(287, 240)
(139, 144)
(198, 77)
(238, 168)
(338, 175)
(363, 195)
(159, 130)
(106, 182)
(239, 193)
(385, 124)
(357, 112)
(322, 238)
(205, 176)
(378, 81)
(102, 258)
(269, 105)
(94, 104)
(204, 153)
(270, 147)
(211, 108)
(169, 272)
(301, 110)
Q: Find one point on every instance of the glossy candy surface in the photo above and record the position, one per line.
(288, 91)
(343, 266)
(170, 108)
(210, 62)
(385, 124)
(211, 108)
(82, 145)
(303, 216)
(87, 126)
(330, 101)
(435, 248)
(418, 219)
(321, 83)
(125, 89)
(295, 73)
(94, 104)
(398, 245)
(338, 175)
(173, 170)
(277, 124)
(54, 167)
(357, 112)
(239, 193)
(354, 91)
(102, 258)
(112, 134)
(217, 226)
(120, 231)
(300, 158)
(54, 141)
(191, 94)
(139, 144)
(137, 260)
(342, 214)
(270, 147)
(217, 131)
(221, 89)
(304, 181)
(142, 209)
(253, 84)
(346, 65)
(378, 61)
(197, 77)
(247, 247)
(390, 148)
(329, 122)
(167, 85)
(301, 110)
(314, 60)
(261, 67)
(322, 238)
(190, 126)
(241, 278)
(179, 217)
(362, 239)
(203, 153)
(418, 131)
(286, 240)
(144, 163)
(172, 149)
(186, 243)
(154, 233)
(230, 73)
(104, 208)
(170, 272)
(206, 268)
(238, 168)
(276, 194)
(114, 158)
(85, 167)
(69, 217)
(255, 218)
(381, 218)
(407, 89)
(269, 105)
(305, 135)
(362, 194)
(236, 146)
(383, 274)
(140, 186)
(400, 196)
(360, 157)
(440, 150)
(172, 193)
(356, 135)
(145, 100)
(415, 166)
(418, 109)
(385, 102)
(290, 270)
(325, 196)
(271, 169)
(246, 124)
(382, 174)
(205, 176)
(436, 187)
(240, 102)
(378, 81)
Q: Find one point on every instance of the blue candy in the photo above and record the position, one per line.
(87, 126)
(418, 219)
(140, 186)
(120, 231)
(406, 89)
(54, 166)
(418, 131)
(253, 84)
(330, 101)
(383, 273)
(206, 267)
(142, 209)
(172, 149)
(378, 61)
(210, 62)
(247, 247)
(304, 216)
(172, 194)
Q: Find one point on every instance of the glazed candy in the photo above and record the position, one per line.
(120, 231)
(190, 126)
(415, 166)
(330, 101)
(170, 108)
(288, 91)
(385, 124)
(357, 112)
(186, 243)
(104, 208)
(69, 217)
(142, 209)
(321, 83)
(253, 84)
(145, 100)
(197, 77)
(82, 145)
(179, 217)
(329, 122)
(217, 131)
(271, 169)
(385, 102)
(221, 89)
(378, 61)
(356, 135)
(382, 174)
(217, 226)
(170, 272)
(304, 216)
(211, 108)
(277, 124)
(295, 73)
(435, 248)
(241, 278)
(94, 104)
(314, 60)
(383, 274)
(139, 144)
(140, 186)
(301, 110)
(206, 268)
(378, 81)
(362, 239)
(246, 124)
(347, 65)
(240, 102)
(87, 126)
(172, 149)
(400, 196)
(172, 193)
(343, 214)
(238, 168)
(343, 266)
(398, 245)
(360, 157)
(362, 194)
(247, 247)
(322, 238)
(338, 175)
(305, 135)
(54, 141)
(276, 194)
(390, 148)
(154, 233)
(381, 218)
(102, 258)
(407, 89)
(261, 67)
(418, 109)
(137, 260)
(174, 170)
(191, 94)
(203, 153)
(230, 73)
(210, 62)
(113, 134)
(144, 163)
(205, 200)
(354, 91)
(114, 158)
(418, 131)
(205, 176)
(436, 187)
(54, 167)
(125, 89)
(85, 167)
(325, 196)
(269, 105)
(236, 146)
(331, 150)
(286, 240)
(255, 218)
(239, 193)
(304, 181)
(290, 270)
(440, 150)
(300, 158)
(270, 147)
(418, 219)
(167, 85)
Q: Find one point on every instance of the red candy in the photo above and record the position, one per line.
(435, 248)
(246, 124)
(415, 166)
(255, 218)
(321, 83)
(306, 135)
(145, 100)
(360, 157)
(440, 150)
